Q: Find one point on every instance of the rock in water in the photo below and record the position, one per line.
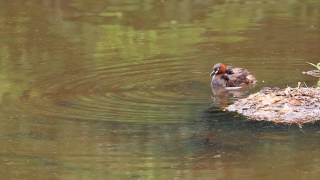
(315, 73)
(289, 106)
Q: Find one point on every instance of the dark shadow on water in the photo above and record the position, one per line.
(215, 118)
(230, 137)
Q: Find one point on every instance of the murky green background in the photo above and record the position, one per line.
(121, 90)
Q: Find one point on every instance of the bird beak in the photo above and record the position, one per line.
(214, 73)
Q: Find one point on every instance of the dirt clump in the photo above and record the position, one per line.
(289, 105)
(315, 73)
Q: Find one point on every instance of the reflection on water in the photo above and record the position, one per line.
(120, 90)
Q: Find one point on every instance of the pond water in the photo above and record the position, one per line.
(121, 89)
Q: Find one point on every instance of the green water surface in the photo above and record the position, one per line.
(121, 89)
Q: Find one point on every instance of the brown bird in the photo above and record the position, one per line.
(227, 77)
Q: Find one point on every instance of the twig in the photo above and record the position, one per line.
(299, 84)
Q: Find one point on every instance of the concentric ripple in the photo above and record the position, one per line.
(153, 90)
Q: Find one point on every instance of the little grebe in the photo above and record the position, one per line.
(224, 76)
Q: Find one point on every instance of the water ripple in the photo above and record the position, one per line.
(159, 90)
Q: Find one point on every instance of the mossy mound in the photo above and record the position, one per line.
(289, 106)
(315, 73)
